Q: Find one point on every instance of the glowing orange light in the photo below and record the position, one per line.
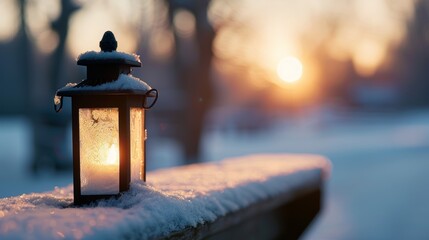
(113, 155)
(289, 69)
(9, 25)
(184, 23)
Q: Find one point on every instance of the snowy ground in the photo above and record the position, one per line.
(380, 161)
(376, 191)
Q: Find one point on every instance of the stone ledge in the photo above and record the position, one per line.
(277, 194)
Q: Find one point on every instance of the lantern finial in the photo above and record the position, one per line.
(108, 43)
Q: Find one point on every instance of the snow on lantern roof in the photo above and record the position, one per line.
(172, 200)
(108, 73)
(108, 54)
(125, 84)
(114, 57)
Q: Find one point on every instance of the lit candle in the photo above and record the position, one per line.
(102, 176)
(112, 156)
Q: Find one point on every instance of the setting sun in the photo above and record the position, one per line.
(289, 69)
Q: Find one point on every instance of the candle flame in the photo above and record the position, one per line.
(113, 155)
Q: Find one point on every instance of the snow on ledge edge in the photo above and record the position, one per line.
(170, 201)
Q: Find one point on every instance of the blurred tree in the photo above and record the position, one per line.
(25, 53)
(49, 128)
(192, 68)
(412, 62)
(60, 27)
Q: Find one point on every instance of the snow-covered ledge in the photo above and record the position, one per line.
(194, 201)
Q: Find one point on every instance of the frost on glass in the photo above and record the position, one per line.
(137, 143)
(99, 150)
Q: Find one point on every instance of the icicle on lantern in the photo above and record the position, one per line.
(108, 120)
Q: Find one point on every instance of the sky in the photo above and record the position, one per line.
(254, 32)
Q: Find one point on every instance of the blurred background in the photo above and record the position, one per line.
(345, 79)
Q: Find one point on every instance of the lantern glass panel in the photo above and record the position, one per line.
(99, 150)
(137, 143)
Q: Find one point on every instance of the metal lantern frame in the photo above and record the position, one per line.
(100, 72)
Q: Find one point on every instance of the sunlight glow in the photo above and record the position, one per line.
(184, 23)
(161, 44)
(289, 69)
(42, 14)
(9, 24)
(368, 56)
(253, 40)
(84, 31)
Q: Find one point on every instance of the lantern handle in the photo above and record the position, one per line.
(147, 95)
(58, 109)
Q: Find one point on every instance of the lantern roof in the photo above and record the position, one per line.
(125, 84)
(114, 57)
(108, 54)
(108, 72)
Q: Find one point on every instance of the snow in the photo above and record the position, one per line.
(377, 189)
(124, 82)
(171, 200)
(57, 99)
(93, 55)
(380, 162)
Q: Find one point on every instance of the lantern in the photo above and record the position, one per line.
(108, 121)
